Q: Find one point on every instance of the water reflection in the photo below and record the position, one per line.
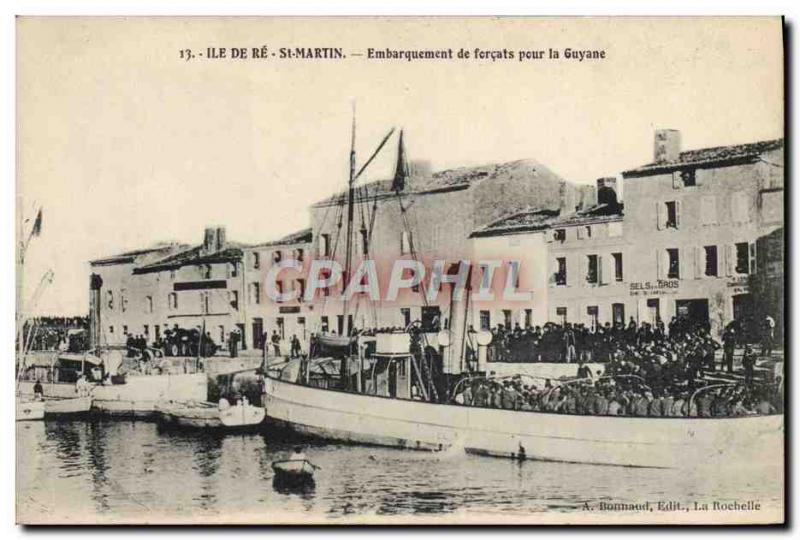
(105, 468)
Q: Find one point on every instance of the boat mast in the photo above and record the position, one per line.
(348, 261)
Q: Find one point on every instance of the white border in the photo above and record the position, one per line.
(303, 7)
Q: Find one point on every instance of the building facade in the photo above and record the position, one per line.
(189, 287)
(694, 219)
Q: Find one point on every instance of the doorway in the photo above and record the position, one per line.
(693, 311)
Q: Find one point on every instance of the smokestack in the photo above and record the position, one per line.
(221, 241)
(667, 145)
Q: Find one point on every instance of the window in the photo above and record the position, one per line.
(172, 300)
(674, 264)
(281, 327)
(528, 318)
(125, 329)
(688, 177)
(507, 318)
(205, 271)
(561, 271)
(672, 215)
(157, 328)
(324, 323)
(324, 245)
(324, 275)
(255, 293)
(588, 231)
(486, 320)
(278, 288)
(123, 301)
(405, 313)
(255, 258)
(204, 302)
(618, 275)
(561, 314)
(172, 275)
(110, 299)
(298, 254)
(111, 329)
(618, 313)
(148, 304)
(591, 271)
(233, 298)
(301, 287)
(277, 256)
(233, 269)
(711, 269)
(592, 312)
(405, 242)
(654, 309)
(559, 235)
(742, 258)
(146, 329)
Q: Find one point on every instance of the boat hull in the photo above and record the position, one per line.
(67, 406)
(29, 410)
(208, 415)
(602, 440)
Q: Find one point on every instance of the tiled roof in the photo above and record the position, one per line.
(709, 156)
(599, 213)
(300, 237)
(131, 256)
(193, 255)
(534, 219)
(539, 220)
(451, 179)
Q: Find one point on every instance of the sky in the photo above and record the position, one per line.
(124, 144)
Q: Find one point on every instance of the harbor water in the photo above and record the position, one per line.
(100, 470)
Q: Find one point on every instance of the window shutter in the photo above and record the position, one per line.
(660, 209)
(753, 264)
(696, 263)
(659, 265)
(677, 214)
(600, 273)
(730, 259)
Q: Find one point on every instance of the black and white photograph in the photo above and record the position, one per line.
(400, 270)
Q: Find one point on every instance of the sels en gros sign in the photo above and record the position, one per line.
(659, 286)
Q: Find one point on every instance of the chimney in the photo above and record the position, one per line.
(667, 145)
(221, 243)
(210, 240)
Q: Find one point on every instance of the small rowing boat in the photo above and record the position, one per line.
(295, 469)
(204, 414)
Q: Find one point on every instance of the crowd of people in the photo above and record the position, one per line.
(176, 341)
(622, 396)
(602, 343)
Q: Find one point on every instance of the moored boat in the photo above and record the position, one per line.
(27, 409)
(67, 406)
(205, 414)
(604, 440)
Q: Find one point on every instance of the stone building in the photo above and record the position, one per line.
(693, 219)
(430, 218)
(184, 286)
(262, 314)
